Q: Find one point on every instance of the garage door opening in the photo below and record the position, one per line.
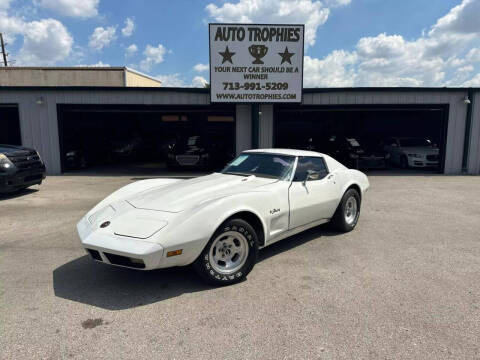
(10, 125)
(106, 139)
(389, 137)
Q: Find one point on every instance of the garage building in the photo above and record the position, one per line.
(57, 119)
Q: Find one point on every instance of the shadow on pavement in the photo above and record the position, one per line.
(16, 194)
(114, 288)
(86, 281)
(295, 241)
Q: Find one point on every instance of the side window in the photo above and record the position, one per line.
(314, 164)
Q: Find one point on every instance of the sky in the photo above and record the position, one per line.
(347, 42)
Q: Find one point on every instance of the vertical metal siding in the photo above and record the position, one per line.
(474, 153)
(266, 127)
(243, 129)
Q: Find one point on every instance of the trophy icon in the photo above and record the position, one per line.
(258, 51)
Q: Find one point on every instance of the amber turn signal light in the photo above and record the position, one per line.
(174, 252)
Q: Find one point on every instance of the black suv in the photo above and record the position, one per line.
(20, 168)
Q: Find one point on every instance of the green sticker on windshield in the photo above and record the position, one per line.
(239, 160)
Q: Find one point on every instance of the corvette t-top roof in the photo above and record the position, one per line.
(331, 162)
(291, 152)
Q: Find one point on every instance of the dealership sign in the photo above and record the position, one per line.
(256, 63)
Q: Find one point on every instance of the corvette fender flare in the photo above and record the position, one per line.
(204, 219)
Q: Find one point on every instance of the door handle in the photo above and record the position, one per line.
(330, 176)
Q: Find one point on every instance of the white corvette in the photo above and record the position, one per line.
(218, 222)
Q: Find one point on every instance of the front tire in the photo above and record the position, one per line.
(230, 254)
(346, 216)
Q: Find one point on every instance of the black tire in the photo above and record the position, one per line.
(340, 220)
(203, 265)
(403, 162)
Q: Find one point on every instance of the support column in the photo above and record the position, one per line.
(266, 126)
(255, 125)
(243, 128)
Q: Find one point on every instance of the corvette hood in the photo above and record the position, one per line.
(184, 194)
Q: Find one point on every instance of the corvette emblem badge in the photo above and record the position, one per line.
(105, 224)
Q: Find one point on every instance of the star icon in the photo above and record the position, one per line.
(286, 56)
(227, 56)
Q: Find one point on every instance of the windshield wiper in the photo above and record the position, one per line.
(236, 173)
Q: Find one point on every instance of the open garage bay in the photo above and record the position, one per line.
(129, 139)
(367, 137)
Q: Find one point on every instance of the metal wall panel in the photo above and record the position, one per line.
(243, 130)
(266, 127)
(474, 153)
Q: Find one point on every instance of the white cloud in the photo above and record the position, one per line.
(45, 42)
(474, 55)
(335, 3)
(73, 8)
(333, 69)
(462, 19)
(131, 50)
(4, 4)
(129, 27)
(11, 26)
(171, 80)
(201, 67)
(437, 58)
(177, 80)
(98, 64)
(309, 12)
(102, 37)
(199, 81)
(474, 82)
(153, 55)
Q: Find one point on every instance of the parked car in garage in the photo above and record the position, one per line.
(374, 156)
(128, 149)
(20, 167)
(412, 152)
(347, 150)
(75, 158)
(199, 152)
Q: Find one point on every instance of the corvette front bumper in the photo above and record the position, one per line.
(120, 250)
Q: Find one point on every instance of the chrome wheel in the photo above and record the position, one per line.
(351, 210)
(228, 252)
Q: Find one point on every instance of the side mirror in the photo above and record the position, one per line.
(311, 175)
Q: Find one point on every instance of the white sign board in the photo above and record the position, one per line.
(251, 63)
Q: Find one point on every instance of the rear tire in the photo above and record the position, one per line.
(230, 254)
(346, 216)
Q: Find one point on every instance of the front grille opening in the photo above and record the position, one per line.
(125, 261)
(95, 254)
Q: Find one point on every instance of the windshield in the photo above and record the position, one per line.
(411, 142)
(263, 165)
